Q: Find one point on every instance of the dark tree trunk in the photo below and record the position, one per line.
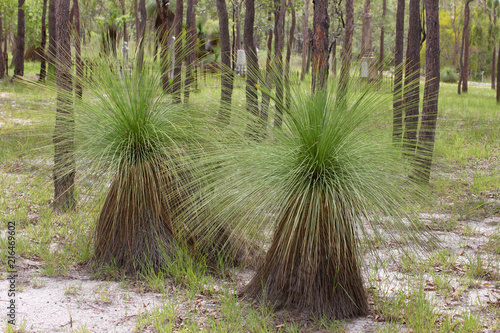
(334, 57)
(397, 106)
(78, 51)
(43, 43)
(320, 51)
(493, 63)
(2, 60)
(163, 39)
(465, 69)
(268, 79)
(309, 48)
(305, 42)
(125, 35)
(412, 76)
(253, 72)
(426, 135)
(382, 37)
(498, 76)
(5, 56)
(227, 73)
(279, 37)
(176, 88)
(19, 55)
(191, 36)
(347, 47)
(365, 30)
(289, 54)
(51, 55)
(64, 163)
(141, 32)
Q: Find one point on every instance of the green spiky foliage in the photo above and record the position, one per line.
(131, 136)
(314, 186)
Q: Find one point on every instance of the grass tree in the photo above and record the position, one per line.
(310, 189)
(131, 135)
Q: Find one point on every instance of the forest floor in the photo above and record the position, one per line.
(453, 287)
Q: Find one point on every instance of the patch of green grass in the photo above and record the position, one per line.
(161, 319)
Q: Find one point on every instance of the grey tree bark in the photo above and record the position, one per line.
(64, 162)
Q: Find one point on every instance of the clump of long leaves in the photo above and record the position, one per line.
(313, 186)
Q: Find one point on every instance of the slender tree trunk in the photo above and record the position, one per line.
(162, 6)
(426, 135)
(64, 163)
(455, 35)
(289, 54)
(236, 32)
(382, 36)
(279, 37)
(466, 47)
(268, 79)
(493, 63)
(5, 55)
(227, 73)
(141, 32)
(464, 56)
(78, 51)
(347, 47)
(365, 30)
(125, 35)
(320, 51)
(412, 77)
(498, 76)
(19, 56)
(253, 72)
(305, 42)
(43, 43)
(51, 56)
(177, 26)
(191, 36)
(334, 57)
(397, 106)
(2, 60)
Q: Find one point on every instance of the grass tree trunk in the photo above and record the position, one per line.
(329, 281)
(51, 55)
(320, 45)
(227, 73)
(43, 43)
(19, 54)
(412, 77)
(2, 60)
(426, 135)
(78, 51)
(64, 162)
(279, 38)
(191, 37)
(135, 225)
(253, 72)
(397, 104)
(347, 47)
(289, 54)
(305, 41)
